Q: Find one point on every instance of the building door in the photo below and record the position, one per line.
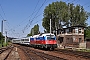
(60, 39)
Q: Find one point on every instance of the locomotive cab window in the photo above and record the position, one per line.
(50, 37)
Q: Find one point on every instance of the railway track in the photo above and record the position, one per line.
(5, 51)
(7, 54)
(74, 53)
(36, 55)
(57, 54)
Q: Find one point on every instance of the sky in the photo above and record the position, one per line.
(19, 14)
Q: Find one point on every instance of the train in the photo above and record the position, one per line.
(45, 40)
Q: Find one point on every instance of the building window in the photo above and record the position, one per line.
(67, 30)
(80, 30)
(76, 30)
(67, 38)
(73, 30)
(73, 39)
(80, 39)
(67, 41)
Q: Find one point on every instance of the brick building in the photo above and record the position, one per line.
(88, 43)
(70, 36)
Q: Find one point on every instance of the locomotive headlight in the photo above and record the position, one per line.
(46, 42)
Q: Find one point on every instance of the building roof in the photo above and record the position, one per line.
(71, 27)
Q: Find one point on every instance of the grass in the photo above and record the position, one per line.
(80, 49)
(84, 50)
(3, 45)
(0, 45)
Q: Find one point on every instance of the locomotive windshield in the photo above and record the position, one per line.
(50, 37)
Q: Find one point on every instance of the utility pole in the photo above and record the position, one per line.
(50, 25)
(5, 37)
(2, 27)
(56, 28)
(2, 30)
(32, 31)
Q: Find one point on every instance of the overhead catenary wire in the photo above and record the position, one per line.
(13, 32)
(33, 18)
(3, 10)
(84, 4)
(30, 15)
(72, 1)
(34, 10)
(10, 30)
(37, 12)
(76, 1)
(30, 21)
(67, 1)
(1, 16)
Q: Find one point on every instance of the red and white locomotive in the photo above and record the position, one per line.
(46, 40)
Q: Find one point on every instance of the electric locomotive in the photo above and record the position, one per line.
(46, 40)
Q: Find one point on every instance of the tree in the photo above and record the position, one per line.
(77, 14)
(29, 35)
(34, 30)
(57, 12)
(1, 37)
(87, 32)
(62, 14)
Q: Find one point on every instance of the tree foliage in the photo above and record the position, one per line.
(34, 30)
(87, 32)
(78, 15)
(1, 37)
(62, 14)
